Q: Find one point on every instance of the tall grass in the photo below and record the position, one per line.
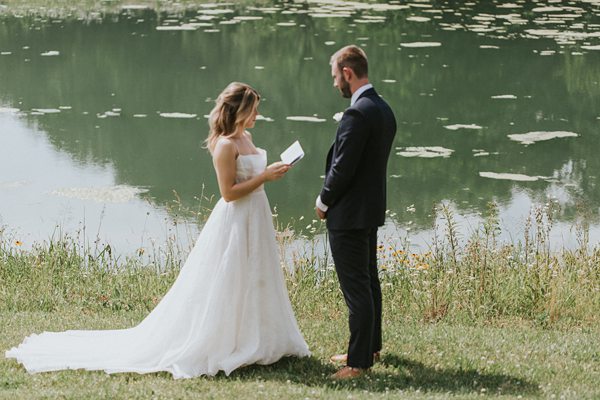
(57, 274)
(484, 279)
(462, 280)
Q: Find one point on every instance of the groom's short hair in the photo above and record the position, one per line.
(352, 57)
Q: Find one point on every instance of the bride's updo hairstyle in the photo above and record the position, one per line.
(234, 106)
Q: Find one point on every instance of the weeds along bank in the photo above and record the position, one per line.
(459, 280)
(92, 8)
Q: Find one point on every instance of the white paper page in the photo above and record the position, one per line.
(292, 154)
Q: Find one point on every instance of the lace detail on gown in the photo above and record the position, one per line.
(228, 307)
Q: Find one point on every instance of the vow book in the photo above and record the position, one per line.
(292, 154)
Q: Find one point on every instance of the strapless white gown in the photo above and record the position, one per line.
(229, 306)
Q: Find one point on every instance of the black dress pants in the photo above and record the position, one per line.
(355, 256)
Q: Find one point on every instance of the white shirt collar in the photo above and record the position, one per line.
(358, 92)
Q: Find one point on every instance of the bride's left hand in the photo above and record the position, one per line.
(276, 171)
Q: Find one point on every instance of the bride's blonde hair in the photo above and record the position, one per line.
(234, 106)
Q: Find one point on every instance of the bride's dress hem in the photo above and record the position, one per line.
(175, 372)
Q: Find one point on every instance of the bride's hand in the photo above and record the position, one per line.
(275, 171)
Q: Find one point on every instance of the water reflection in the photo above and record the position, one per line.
(124, 94)
(44, 194)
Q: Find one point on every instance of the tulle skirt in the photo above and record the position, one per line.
(228, 307)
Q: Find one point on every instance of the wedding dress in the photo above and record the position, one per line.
(228, 307)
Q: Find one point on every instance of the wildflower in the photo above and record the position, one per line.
(18, 243)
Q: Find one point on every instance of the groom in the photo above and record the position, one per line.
(353, 202)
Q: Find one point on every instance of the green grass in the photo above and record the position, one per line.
(503, 360)
(472, 317)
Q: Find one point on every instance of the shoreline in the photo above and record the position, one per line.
(468, 280)
(61, 8)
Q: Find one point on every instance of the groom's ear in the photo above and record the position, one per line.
(348, 73)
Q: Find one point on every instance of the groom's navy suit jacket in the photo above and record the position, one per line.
(356, 171)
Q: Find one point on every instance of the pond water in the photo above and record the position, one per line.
(102, 115)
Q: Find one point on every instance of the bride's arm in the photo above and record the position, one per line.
(224, 162)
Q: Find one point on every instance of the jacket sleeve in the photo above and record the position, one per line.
(350, 143)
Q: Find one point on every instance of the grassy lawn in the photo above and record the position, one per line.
(509, 359)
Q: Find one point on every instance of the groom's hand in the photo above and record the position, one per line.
(320, 213)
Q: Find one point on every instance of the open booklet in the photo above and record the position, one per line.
(292, 154)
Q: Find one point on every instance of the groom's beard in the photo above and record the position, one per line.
(345, 89)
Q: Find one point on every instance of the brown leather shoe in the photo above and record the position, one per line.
(343, 358)
(348, 373)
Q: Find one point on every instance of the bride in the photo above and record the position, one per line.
(229, 306)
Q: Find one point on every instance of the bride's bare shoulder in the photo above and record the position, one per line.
(225, 147)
